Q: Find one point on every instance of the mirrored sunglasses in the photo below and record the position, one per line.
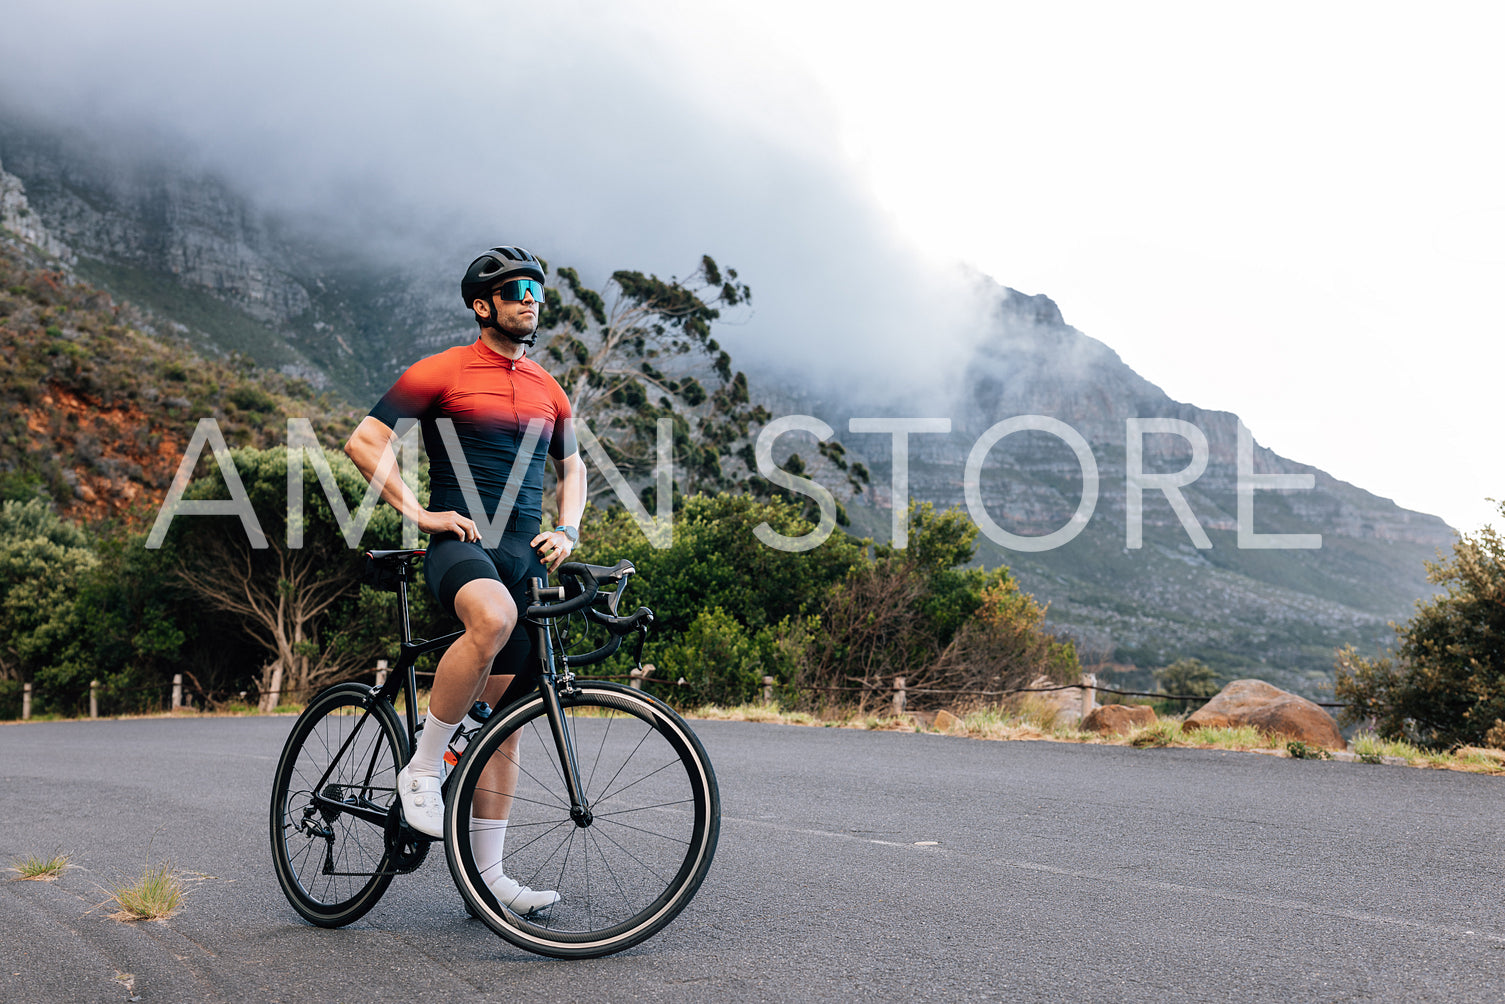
(515, 289)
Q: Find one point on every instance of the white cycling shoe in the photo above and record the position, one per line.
(422, 803)
(519, 898)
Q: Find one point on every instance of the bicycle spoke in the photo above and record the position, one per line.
(627, 760)
(640, 780)
(626, 869)
(340, 758)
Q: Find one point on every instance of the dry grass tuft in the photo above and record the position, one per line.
(156, 895)
(35, 868)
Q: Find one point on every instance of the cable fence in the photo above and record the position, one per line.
(186, 692)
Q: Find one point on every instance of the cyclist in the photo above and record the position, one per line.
(490, 416)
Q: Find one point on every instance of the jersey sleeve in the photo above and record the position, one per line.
(562, 444)
(416, 392)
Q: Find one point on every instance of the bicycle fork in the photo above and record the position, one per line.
(564, 743)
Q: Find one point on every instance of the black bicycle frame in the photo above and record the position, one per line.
(404, 679)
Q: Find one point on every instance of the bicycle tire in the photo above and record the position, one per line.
(629, 871)
(333, 865)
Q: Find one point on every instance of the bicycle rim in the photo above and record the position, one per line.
(333, 865)
(635, 866)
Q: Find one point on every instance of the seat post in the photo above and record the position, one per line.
(402, 604)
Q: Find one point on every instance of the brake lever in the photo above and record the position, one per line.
(642, 636)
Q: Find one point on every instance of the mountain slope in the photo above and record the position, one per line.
(1275, 613)
(98, 403)
(232, 278)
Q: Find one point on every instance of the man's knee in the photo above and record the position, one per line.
(488, 613)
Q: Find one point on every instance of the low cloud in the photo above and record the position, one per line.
(620, 140)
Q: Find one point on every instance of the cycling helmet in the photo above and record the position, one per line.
(494, 267)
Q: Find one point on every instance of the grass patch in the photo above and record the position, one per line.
(1030, 719)
(156, 895)
(1238, 737)
(1478, 761)
(1164, 732)
(1368, 744)
(36, 868)
(754, 713)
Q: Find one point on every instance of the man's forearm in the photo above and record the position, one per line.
(371, 451)
(571, 492)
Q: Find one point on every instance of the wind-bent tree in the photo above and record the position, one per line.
(642, 350)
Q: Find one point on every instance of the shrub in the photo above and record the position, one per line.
(919, 614)
(252, 398)
(1443, 684)
(723, 663)
(1187, 678)
(717, 561)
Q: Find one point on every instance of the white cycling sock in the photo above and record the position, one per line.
(432, 742)
(486, 836)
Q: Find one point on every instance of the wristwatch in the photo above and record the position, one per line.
(571, 532)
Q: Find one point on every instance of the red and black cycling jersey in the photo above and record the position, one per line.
(492, 401)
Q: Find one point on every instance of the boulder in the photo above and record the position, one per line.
(1118, 719)
(1271, 710)
(945, 721)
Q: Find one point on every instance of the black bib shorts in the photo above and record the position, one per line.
(451, 562)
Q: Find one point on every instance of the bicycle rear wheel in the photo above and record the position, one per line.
(628, 869)
(333, 791)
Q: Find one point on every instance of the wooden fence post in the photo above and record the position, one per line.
(898, 695)
(381, 672)
(1089, 695)
(767, 690)
(636, 681)
(25, 701)
(93, 698)
(177, 691)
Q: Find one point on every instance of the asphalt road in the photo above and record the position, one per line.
(1057, 872)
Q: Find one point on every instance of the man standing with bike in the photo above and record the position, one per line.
(490, 417)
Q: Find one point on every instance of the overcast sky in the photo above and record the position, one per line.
(1289, 211)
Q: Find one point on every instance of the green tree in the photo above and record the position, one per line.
(43, 561)
(304, 607)
(1443, 684)
(128, 625)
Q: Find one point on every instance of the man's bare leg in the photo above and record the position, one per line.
(489, 813)
(486, 609)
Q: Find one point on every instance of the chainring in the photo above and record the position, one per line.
(406, 847)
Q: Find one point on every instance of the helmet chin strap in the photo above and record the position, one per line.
(489, 321)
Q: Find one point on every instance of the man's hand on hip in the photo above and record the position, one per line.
(448, 522)
(553, 548)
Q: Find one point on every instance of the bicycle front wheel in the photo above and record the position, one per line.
(622, 871)
(332, 793)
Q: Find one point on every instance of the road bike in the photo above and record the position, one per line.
(615, 805)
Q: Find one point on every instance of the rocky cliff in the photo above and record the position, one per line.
(233, 277)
